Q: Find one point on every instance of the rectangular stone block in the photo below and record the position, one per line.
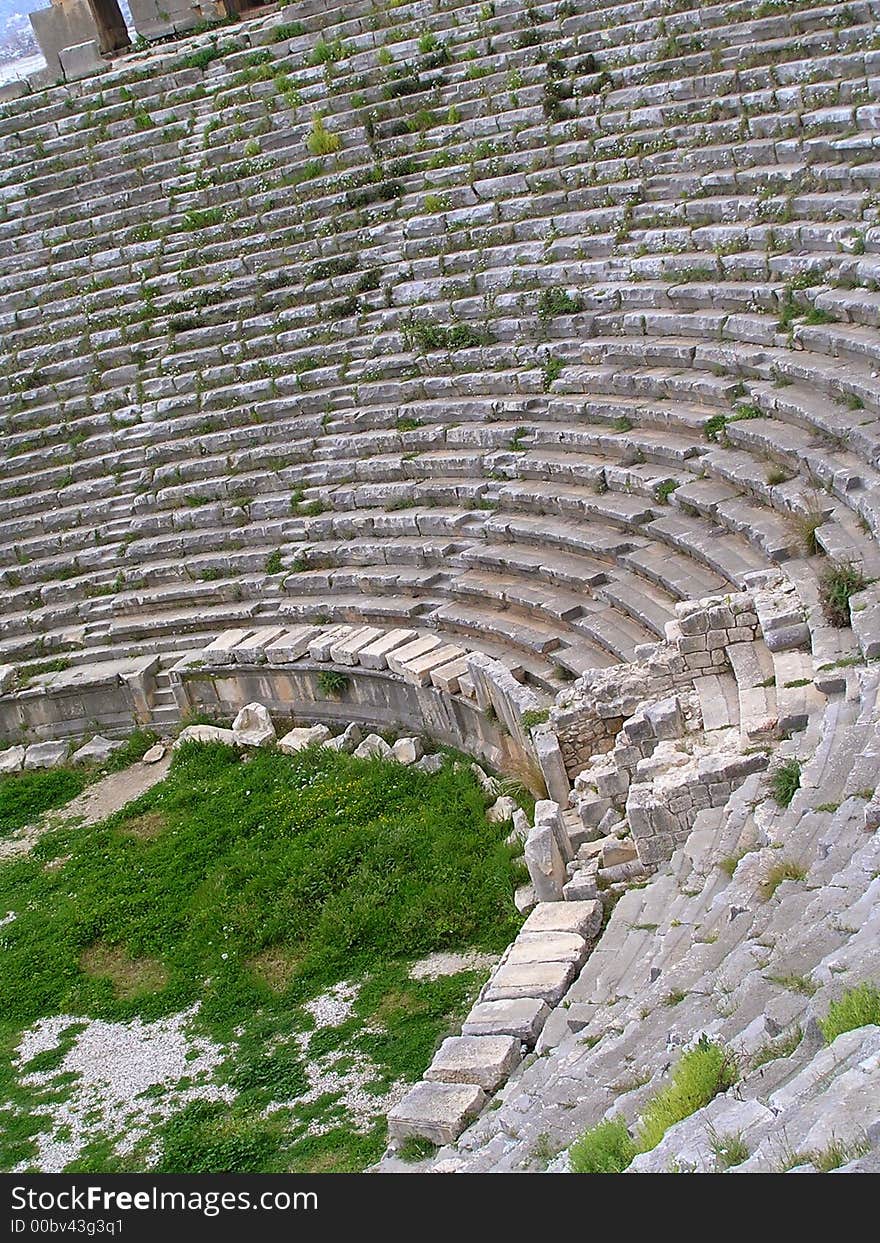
(438, 1112)
(545, 981)
(418, 672)
(584, 918)
(520, 1017)
(402, 656)
(375, 655)
(290, 646)
(345, 652)
(534, 947)
(486, 1061)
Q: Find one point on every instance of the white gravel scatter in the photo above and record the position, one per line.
(436, 965)
(333, 1007)
(115, 1063)
(325, 1076)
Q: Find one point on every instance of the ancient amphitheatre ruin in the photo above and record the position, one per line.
(505, 376)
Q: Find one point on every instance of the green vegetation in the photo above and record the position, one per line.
(274, 562)
(837, 585)
(553, 302)
(785, 781)
(535, 716)
(604, 1149)
(245, 888)
(698, 1076)
(420, 334)
(25, 796)
(858, 1007)
(331, 682)
(322, 141)
(783, 871)
(728, 1150)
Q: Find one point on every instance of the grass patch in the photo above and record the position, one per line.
(785, 870)
(858, 1007)
(248, 888)
(415, 1149)
(785, 781)
(606, 1148)
(698, 1077)
(837, 584)
(783, 1046)
(25, 796)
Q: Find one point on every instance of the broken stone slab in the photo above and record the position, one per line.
(253, 726)
(524, 898)
(522, 1017)
(614, 852)
(430, 763)
(304, 736)
(372, 747)
(205, 733)
(552, 765)
(82, 60)
(502, 809)
(45, 754)
(7, 677)
(347, 740)
(490, 785)
(545, 981)
(11, 759)
(533, 947)
(583, 918)
(406, 750)
(583, 886)
(96, 751)
(438, 1112)
(545, 863)
(155, 754)
(549, 812)
(486, 1061)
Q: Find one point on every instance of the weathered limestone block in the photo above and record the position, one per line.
(545, 863)
(547, 981)
(583, 918)
(438, 1112)
(552, 765)
(205, 733)
(154, 754)
(11, 759)
(520, 1017)
(81, 61)
(305, 736)
(7, 677)
(253, 726)
(45, 754)
(535, 947)
(406, 750)
(347, 740)
(486, 1061)
(615, 852)
(97, 751)
(373, 746)
(504, 808)
(548, 812)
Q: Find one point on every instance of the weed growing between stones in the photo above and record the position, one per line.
(256, 945)
(857, 1008)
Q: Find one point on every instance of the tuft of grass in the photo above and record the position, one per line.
(835, 1154)
(858, 1007)
(783, 1046)
(535, 716)
(837, 584)
(322, 141)
(785, 781)
(413, 1148)
(274, 563)
(606, 1148)
(785, 870)
(553, 302)
(331, 682)
(698, 1077)
(728, 1150)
